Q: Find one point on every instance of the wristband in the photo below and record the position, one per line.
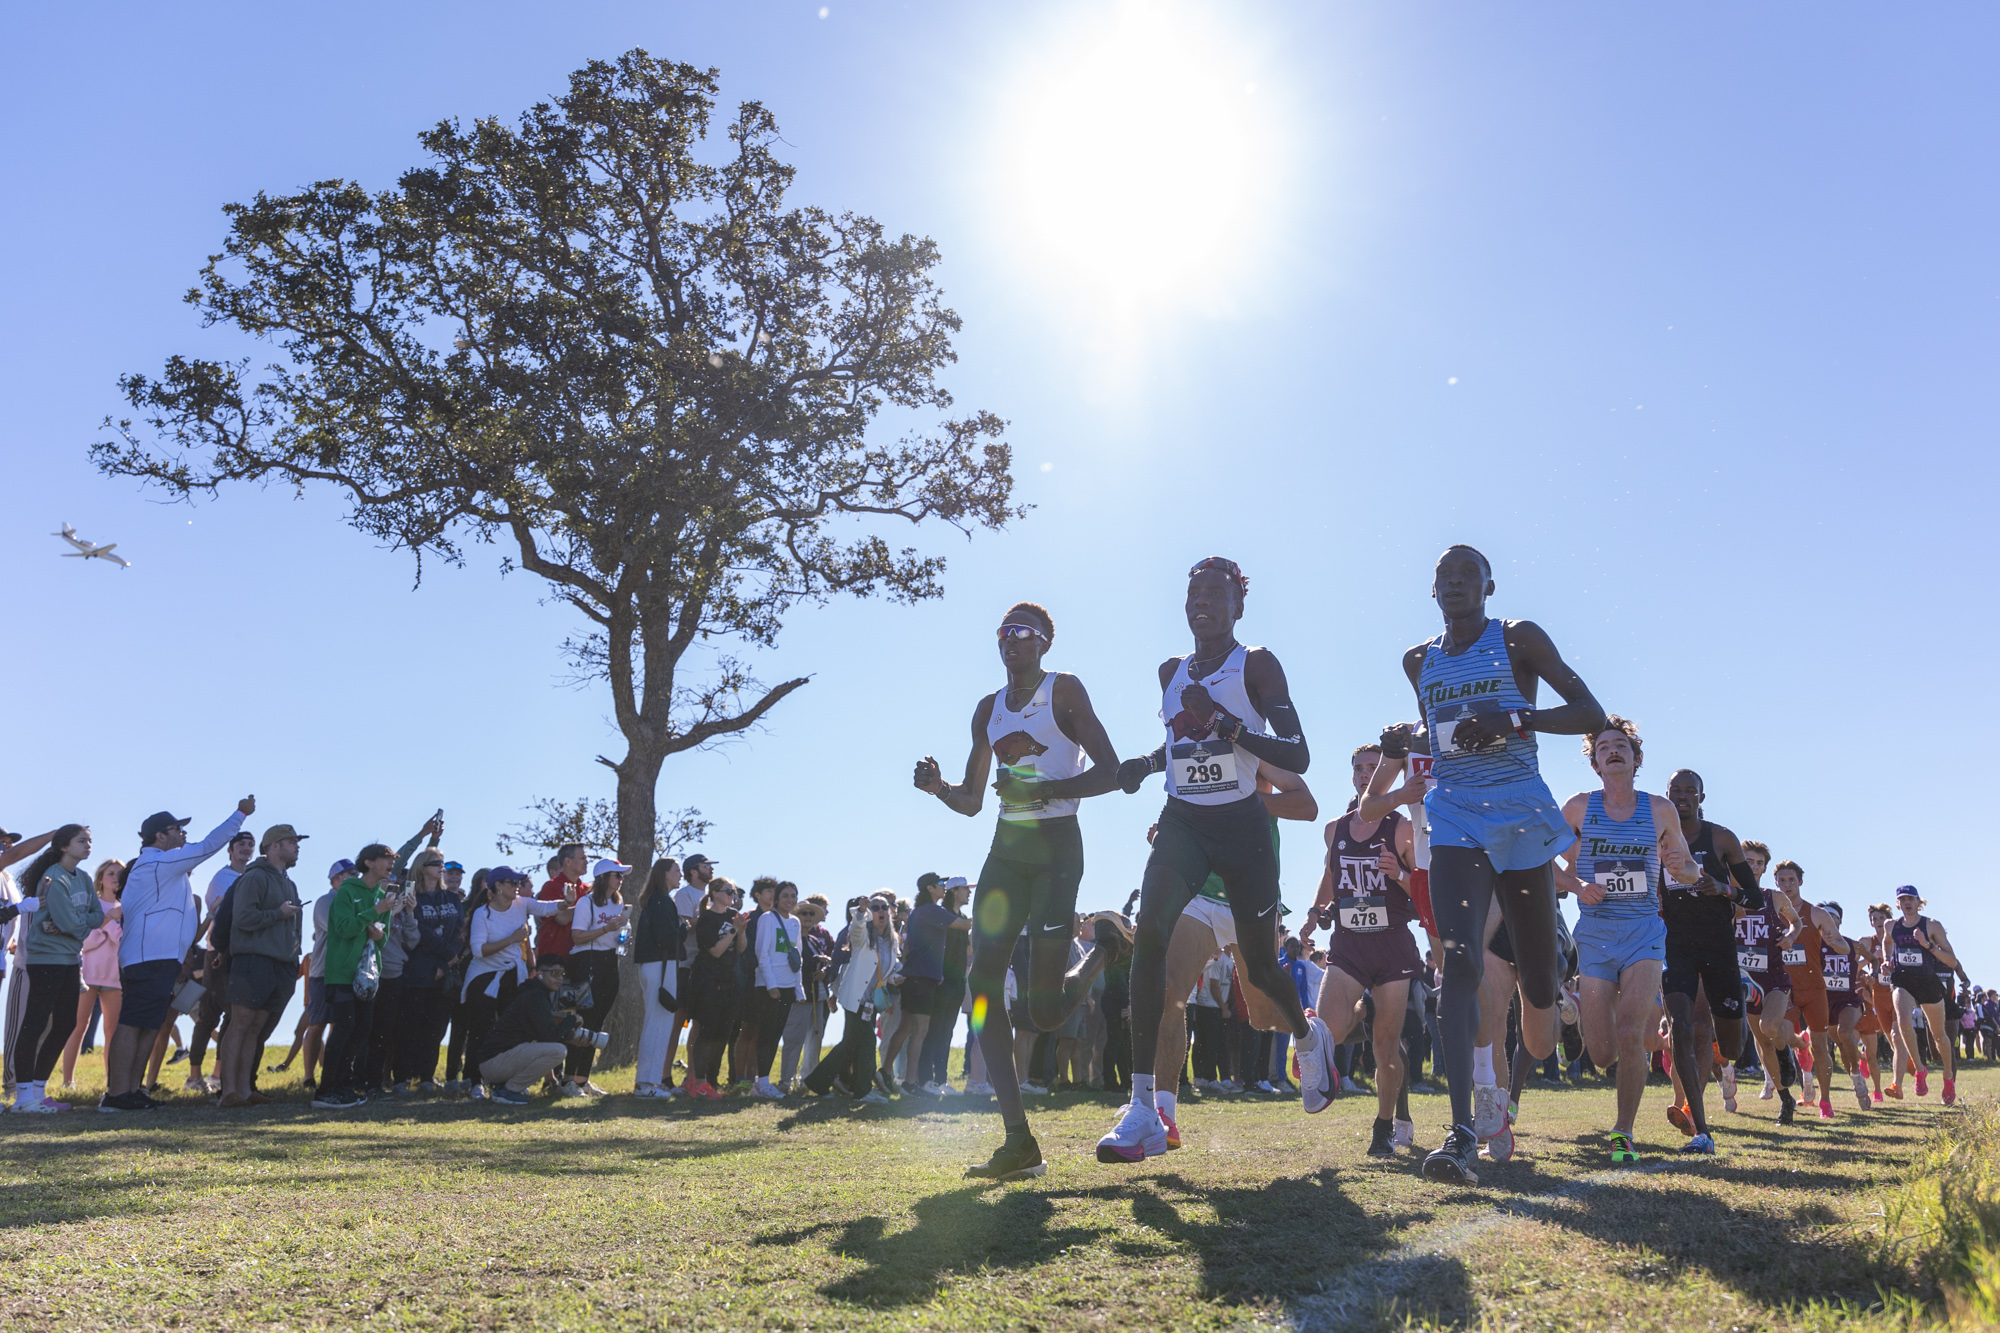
(1230, 729)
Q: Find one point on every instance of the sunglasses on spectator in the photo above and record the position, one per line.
(1021, 632)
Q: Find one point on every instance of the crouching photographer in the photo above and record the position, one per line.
(532, 1033)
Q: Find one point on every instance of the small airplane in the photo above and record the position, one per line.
(86, 549)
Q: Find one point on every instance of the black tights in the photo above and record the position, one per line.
(1464, 885)
(1163, 894)
(47, 1019)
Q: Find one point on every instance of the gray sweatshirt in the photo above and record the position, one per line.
(70, 911)
(259, 925)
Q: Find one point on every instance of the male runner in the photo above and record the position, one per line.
(1205, 927)
(1217, 703)
(1042, 727)
(1918, 950)
(1841, 961)
(1805, 961)
(1495, 828)
(1629, 841)
(1701, 949)
(1878, 1020)
(1364, 896)
(1761, 938)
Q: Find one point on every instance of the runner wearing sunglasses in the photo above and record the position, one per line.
(1041, 727)
(1228, 712)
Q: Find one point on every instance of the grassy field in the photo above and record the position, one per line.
(628, 1214)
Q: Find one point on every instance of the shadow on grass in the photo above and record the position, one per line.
(1263, 1244)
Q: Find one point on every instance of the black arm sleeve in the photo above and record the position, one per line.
(1285, 747)
(1746, 880)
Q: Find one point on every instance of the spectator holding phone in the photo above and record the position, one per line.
(713, 987)
(497, 940)
(871, 959)
(439, 916)
(780, 953)
(266, 930)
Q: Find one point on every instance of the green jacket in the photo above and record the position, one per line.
(350, 915)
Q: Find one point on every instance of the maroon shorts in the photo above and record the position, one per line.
(1375, 958)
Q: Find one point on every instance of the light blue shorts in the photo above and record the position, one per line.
(1607, 945)
(1518, 824)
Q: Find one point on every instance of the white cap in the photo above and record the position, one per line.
(607, 866)
(956, 882)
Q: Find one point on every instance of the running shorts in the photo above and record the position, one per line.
(316, 999)
(1607, 945)
(1923, 986)
(1838, 1004)
(149, 991)
(1692, 968)
(1375, 958)
(1035, 866)
(1233, 841)
(1517, 824)
(1811, 1009)
(1501, 946)
(1216, 916)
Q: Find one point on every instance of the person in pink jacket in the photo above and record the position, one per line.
(100, 966)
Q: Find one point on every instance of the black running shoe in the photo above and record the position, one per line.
(1452, 1163)
(885, 1081)
(1016, 1159)
(123, 1101)
(1786, 1105)
(148, 1102)
(1382, 1144)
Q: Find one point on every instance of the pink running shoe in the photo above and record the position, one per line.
(1950, 1092)
(1826, 1110)
(1923, 1083)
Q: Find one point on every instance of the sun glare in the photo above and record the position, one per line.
(1139, 161)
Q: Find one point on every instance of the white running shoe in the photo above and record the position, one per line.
(1729, 1087)
(979, 1089)
(1138, 1135)
(1033, 1090)
(195, 1083)
(649, 1090)
(1806, 1078)
(1861, 1091)
(1489, 1110)
(946, 1090)
(1316, 1072)
(1405, 1135)
(1501, 1146)
(873, 1097)
(764, 1088)
(1770, 1089)
(1349, 1085)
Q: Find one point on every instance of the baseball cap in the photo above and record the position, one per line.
(8, 835)
(607, 866)
(928, 878)
(1908, 891)
(278, 833)
(157, 824)
(696, 860)
(956, 882)
(341, 867)
(504, 874)
(453, 865)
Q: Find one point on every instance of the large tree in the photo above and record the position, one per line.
(608, 344)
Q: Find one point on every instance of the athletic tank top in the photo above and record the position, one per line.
(1204, 769)
(1805, 960)
(1836, 970)
(1700, 918)
(1622, 857)
(1478, 682)
(1757, 937)
(1910, 955)
(1367, 902)
(1031, 745)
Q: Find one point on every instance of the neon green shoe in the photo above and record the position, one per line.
(1623, 1151)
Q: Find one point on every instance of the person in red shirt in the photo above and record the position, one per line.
(552, 938)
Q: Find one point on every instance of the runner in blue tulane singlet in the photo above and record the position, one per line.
(1621, 857)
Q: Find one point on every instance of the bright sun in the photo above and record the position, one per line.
(1140, 164)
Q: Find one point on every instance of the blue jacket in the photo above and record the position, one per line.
(440, 916)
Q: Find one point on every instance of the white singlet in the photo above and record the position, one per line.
(1211, 771)
(1031, 745)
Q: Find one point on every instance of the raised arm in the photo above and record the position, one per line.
(25, 848)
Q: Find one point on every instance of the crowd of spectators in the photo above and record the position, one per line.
(408, 962)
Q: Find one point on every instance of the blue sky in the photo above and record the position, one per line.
(1686, 318)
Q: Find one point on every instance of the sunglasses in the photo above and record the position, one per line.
(453, 865)
(1021, 632)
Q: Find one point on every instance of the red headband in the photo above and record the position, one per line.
(1228, 567)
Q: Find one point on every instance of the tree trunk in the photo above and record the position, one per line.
(638, 808)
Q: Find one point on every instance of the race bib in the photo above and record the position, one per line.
(1793, 957)
(1022, 772)
(1621, 879)
(1910, 958)
(1367, 913)
(1203, 768)
(1752, 960)
(1837, 982)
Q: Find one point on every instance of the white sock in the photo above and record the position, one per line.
(1310, 1041)
(1482, 1066)
(29, 1094)
(1142, 1092)
(1167, 1103)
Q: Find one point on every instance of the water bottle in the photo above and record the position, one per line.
(624, 938)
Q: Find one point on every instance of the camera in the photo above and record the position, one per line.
(572, 996)
(598, 1039)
